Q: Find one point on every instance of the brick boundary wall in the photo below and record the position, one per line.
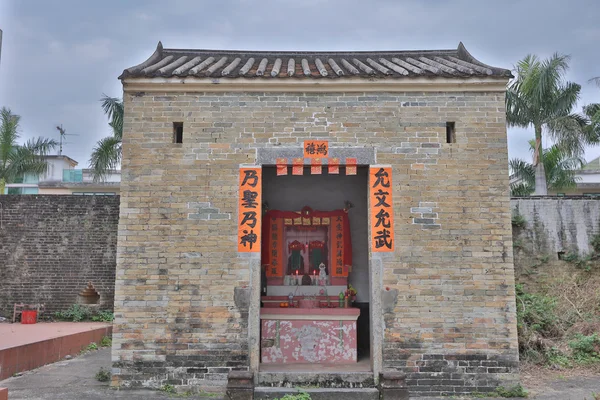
(51, 246)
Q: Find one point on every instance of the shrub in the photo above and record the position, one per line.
(515, 391)
(586, 349)
(90, 347)
(167, 388)
(106, 342)
(103, 316)
(78, 313)
(535, 312)
(75, 313)
(103, 375)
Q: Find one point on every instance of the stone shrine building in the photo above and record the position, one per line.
(315, 218)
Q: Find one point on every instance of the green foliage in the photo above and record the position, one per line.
(75, 313)
(18, 160)
(91, 347)
(107, 153)
(583, 262)
(299, 396)
(103, 375)
(167, 388)
(518, 220)
(78, 313)
(515, 391)
(556, 357)
(586, 349)
(595, 243)
(535, 312)
(559, 167)
(539, 97)
(103, 316)
(106, 342)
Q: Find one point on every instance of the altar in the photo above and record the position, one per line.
(307, 314)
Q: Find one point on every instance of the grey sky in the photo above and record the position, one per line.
(58, 57)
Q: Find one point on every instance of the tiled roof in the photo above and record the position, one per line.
(593, 165)
(316, 65)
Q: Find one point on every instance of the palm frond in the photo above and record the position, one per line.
(105, 156)
(115, 111)
(596, 80)
(568, 133)
(9, 133)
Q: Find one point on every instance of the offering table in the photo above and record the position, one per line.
(308, 335)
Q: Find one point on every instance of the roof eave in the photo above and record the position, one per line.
(411, 84)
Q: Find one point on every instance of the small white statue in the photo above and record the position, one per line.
(322, 275)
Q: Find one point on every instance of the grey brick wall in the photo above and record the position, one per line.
(452, 268)
(51, 246)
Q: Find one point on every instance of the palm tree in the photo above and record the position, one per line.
(592, 112)
(17, 160)
(106, 155)
(539, 97)
(559, 167)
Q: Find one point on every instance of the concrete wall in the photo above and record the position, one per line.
(52, 246)
(328, 192)
(443, 305)
(556, 224)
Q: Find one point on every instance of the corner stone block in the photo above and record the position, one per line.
(392, 386)
(240, 385)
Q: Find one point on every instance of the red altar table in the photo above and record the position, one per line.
(308, 335)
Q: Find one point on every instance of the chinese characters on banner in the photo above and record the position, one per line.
(249, 217)
(316, 149)
(276, 249)
(382, 213)
(337, 246)
(316, 167)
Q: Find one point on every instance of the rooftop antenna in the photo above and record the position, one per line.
(63, 136)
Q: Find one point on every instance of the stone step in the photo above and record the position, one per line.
(270, 393)
(345, 380)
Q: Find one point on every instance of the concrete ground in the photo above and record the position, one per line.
(75, 380)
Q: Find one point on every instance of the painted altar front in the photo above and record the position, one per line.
(307, 314)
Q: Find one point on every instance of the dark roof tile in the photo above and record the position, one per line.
(314, 65)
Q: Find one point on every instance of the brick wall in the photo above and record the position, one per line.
(448, 303)
(51, 246)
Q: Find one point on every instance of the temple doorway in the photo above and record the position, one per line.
(315, 269)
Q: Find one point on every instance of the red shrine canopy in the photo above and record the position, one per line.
(339, 243)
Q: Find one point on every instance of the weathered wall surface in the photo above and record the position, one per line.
(554, 225)
(52, 246)
(449, 314)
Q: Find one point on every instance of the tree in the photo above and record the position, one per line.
(17, 160)
(106, 156)
(539, 97)
(559, 167)
(592, 112)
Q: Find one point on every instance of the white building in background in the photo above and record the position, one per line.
(63, 178)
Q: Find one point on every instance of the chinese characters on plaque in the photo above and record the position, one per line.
(382, 214)
(249, 218)
(337, 246)
(316, 149)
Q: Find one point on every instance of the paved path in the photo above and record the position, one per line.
(75, 380)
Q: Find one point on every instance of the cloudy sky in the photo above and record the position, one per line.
(59, 57)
